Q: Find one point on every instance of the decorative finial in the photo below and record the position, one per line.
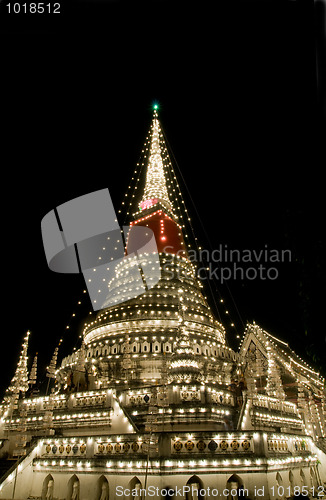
(156, 107)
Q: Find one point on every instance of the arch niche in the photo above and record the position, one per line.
(196, 485)
(47, 488)
(73, 488)
(303, 478)
(280, 487)
(291, 481)
(234, 485)
(102, 489)
(135, 486)
(313, 478)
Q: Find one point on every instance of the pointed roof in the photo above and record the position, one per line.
(155, 190)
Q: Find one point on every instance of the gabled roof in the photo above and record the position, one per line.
(283, 354)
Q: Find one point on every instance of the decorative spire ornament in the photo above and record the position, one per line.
(162, 391)
(184, 367)
(18, 385)
(81, 373)
(48, 414)
(52, 367)
(274, 385)
(81, 358)
(155, 186)
(126, 364)
(251, 370)
(53, 364)
(33, 373)
(19, 382)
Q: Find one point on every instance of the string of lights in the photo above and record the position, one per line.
(161, 181)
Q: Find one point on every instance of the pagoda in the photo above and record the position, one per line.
(155, 403)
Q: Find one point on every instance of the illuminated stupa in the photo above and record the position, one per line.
(155, 403)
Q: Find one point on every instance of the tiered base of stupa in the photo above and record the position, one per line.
(125, 444)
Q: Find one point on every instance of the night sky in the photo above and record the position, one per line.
(242, 110)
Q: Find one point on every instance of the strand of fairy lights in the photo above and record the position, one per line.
(181, 210)
(137, 176)
(79, 302)
(178, 205)
(191, 226)
(180, 213)
(165, 155)
(155, 185)
(173, 181)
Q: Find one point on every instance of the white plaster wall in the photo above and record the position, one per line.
(89, 483)
(258, 484)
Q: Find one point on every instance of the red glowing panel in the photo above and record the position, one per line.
(167, 233)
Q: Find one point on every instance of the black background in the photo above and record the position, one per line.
(241, 93)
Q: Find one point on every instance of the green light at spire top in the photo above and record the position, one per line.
(155, 106)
